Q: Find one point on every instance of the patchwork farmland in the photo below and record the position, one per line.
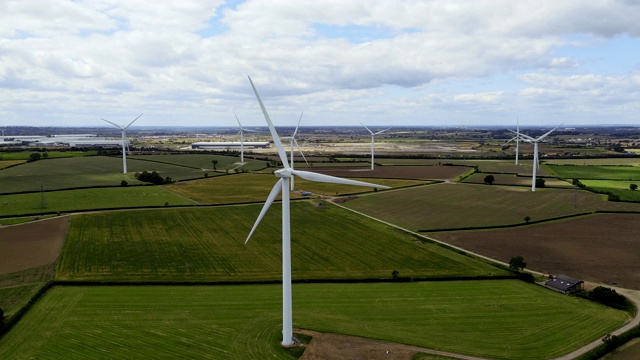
(201, 246)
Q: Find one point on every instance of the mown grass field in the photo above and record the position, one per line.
(630, 173)
(619, 188)
(88, 199)
(81, 172)
(244, 322)
(203, 161)
(207, 244)
(455, 206)
(241, 188)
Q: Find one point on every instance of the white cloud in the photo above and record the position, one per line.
(191, 58)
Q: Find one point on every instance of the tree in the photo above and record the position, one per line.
(124, 183)
(540, 182)
(214, 163)
(517, 263)
(34, 157)
(489, 179)
(527, 219)
(395, 274)
(633, 187)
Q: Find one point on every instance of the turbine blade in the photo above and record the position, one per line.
(300, 150)
(311, 176)
(524, 137)
(550, 131)
(276, 139)
(297, 126)
(134, 120)
(272, 196)
(381, 131)
(112, 123)
(234, 113)
(365, 126)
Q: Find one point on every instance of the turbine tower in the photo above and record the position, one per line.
(517, 139)
(241, 133)
(292, 142)
(282, 185)
(373, 135)
(536, 162)
(123, 129)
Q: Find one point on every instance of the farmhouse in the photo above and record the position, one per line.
(565, 284)
(229, 144)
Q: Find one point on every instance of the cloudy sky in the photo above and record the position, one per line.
(342, 62)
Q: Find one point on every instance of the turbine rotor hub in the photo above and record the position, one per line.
(284, 173)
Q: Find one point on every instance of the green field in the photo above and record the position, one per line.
(454, 206)
(87, 199)
(207, 244)
(203, 161)
(50, 154)
(249, 187)
(628, 161)
(630, 173)
(82, 172)
(8, 163)
(244, 322)
(619, 188)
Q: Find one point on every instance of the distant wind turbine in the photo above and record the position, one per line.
(292, 142)
(241, 133)
(282, 185)
(373, 135)
(536, 162)
(517, 139)
(123, 129)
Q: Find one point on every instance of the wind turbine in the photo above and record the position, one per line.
(282, 185)
(293, 141)
(373, 135)
(241, 132)
(536, 162)
(124, 139)
(517, 139)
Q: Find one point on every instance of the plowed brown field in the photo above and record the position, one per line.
(32, 244)
(598, 248)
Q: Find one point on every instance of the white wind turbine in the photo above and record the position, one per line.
(241, 132)
(517, 139)
(123, 129)
(292, 142)
(373, 135)
(536, 161)
(282, 185)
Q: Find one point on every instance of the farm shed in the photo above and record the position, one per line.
(565, 284)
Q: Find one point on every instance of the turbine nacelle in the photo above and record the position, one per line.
(284, 173)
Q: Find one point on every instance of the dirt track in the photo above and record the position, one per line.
(32, 244)
(325, 346)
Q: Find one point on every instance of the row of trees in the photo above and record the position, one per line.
(153, 177)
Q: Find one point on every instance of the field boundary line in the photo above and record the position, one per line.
(166, 188)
